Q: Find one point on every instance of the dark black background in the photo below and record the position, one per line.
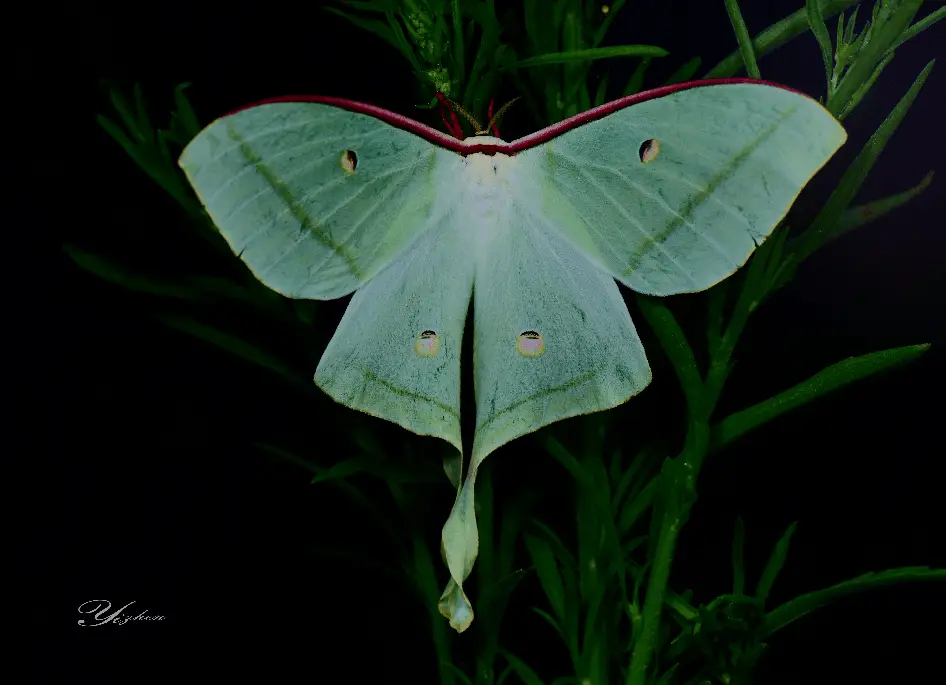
(134, 472)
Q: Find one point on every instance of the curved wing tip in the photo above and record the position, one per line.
(479, 458)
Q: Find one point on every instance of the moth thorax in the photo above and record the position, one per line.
(486, 169)
(486, 189)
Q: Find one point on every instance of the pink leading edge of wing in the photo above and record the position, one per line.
(445, 141)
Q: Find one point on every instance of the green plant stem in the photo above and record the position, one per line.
(680, 474)
(679, 493)
(676, 347)
(645, 642)
(678, 479)
(427, 584)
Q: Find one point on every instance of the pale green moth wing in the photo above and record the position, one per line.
(315, 199)
(396, 352)
(319, 201)
(669, 195)
(676, 192)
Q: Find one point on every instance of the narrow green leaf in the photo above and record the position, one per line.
(680, 604)
(131, 148)
(776, 36)
(598, 534)
(856, 217)
(636, 472)
(487, 57)
(533, 18)
(291, 457)
(184, 113)
(424, 576)
(401, 42)
(820, 31)
(715, 303)
(667, 676)
(510, 530)
(600, 485)
(613, 9)
(455, 670)
(674, 499)
(754, 285)
(794, 609)
(685, 72)
(237, 347)
(919, 27)
(131, 123)
(776, 249)
(459, 56)
(562, 553)
(839, 34)
(742, 36)
(635, 84)
(487, 573)
(161, 144)
(505, 674)
(114, 273)
(574, 72)
(634, 509)
(831, 378)
(493, 600)
(433, 102)
(856, 173)
(144, 124)
(566, 459)
(468, 31)
(602, 89)
(675, 346)
(738, 569)
(342, 469)
(558, 17)
(852, 22)
(616, 472)
(591, 54)
(550, 620)
(865, 87)
(547, 570)
(522, 669)
(252, 293)
(774, 567)
(383, 518)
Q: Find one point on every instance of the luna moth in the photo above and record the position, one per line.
(667, 191)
